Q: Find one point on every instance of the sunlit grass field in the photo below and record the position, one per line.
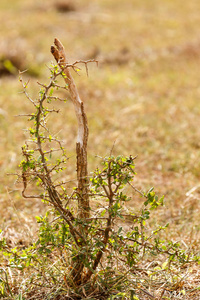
(143, 98)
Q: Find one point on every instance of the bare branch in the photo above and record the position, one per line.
(59, 54)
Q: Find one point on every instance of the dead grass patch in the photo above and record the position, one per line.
(64, 6)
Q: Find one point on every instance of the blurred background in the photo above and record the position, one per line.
(143, 98)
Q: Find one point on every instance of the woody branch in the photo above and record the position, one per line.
(59, 54)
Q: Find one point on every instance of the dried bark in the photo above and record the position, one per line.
(59, 54)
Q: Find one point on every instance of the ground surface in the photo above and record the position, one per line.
(144, 97)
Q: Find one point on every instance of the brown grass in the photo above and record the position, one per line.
(144, 97)
(64, 6)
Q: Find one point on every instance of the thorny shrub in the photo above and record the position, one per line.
(101, 257)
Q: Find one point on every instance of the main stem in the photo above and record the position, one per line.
(58, 52)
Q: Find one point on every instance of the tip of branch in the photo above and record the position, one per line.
(58, 51)
(58, 44)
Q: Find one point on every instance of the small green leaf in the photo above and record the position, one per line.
(51, 92)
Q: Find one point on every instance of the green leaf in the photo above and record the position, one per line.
(103, 212)
(120, 230)
(51, 92)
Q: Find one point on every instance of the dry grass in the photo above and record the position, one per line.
(144, 97)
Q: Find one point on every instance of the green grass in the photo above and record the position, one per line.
(148, 105)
